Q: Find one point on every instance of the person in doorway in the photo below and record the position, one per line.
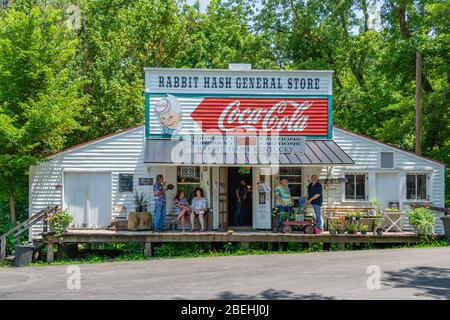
(159, 195)
(241, 195)
(180, 208)
(283, 199)
(315, 199)
(199, 207)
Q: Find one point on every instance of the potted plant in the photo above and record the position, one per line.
(352, 228)
(59, 222)
(333, 227)
(376, 205)
(422, 220)
(341, 225)
(141, 204)
(353, 216)
(378, 226)
(363, 228)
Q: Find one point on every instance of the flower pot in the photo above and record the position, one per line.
(363, 232)
(340, 231)
(333, 232)
(379, 232)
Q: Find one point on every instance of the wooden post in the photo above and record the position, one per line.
(2, 248)
(148, 249)
(50, 254)
(245, 245)
(418, 103)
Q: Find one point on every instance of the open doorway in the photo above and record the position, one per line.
(235, 176)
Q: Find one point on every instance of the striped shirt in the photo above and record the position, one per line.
(285, 194)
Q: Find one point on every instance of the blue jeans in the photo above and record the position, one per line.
(160, 216)
(239, 213)
(319, 222)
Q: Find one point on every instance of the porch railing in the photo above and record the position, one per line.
(24, 226)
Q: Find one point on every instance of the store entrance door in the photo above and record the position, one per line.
(235, 175)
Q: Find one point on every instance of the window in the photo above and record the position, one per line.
(416, 186)
(294, 176)
(125, 182)
(188, 178)
(355, 187)
(387, 160)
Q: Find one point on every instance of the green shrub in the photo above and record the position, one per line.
(60, 221)
(422, 220)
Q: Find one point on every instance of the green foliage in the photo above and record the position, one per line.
(333, 225)
(364, 227)
(60, 221)
(422, 220)
(376, 204)
(352, 228)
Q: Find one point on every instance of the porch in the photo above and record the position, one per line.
(150, 238)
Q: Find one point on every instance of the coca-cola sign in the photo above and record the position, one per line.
(284, 116)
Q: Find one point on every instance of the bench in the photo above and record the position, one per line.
(171, 218)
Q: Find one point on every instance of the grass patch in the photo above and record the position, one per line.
(134, 251)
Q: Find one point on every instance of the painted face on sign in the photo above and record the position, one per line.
(170, 120)
(168, 109)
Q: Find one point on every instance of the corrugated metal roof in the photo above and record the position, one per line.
(317, 152)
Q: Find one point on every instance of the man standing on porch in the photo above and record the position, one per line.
(315, 199)
(283, 199)
(159, 194)
(241, 196)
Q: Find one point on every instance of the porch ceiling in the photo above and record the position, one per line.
(317, 152)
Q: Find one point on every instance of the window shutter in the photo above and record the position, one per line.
(387, 160)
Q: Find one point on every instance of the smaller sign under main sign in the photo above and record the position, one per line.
(249, 144)
(145, 181)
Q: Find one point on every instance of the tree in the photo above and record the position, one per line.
(39, 93)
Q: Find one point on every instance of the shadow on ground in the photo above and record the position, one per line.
(272, 294)
(430, 282)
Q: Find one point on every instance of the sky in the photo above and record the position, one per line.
(373, 14)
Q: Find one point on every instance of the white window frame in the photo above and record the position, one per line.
(366, 186)
(427, 186)
(302, 185)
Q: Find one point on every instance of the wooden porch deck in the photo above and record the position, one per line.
(105, 236)
(244, 237)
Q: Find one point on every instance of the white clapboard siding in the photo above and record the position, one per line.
(124, 153)
(119, 153)
(366, 154)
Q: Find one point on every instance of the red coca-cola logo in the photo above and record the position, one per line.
(286, 116)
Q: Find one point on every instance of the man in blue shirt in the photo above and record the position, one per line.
(159, 195)
(315, 199)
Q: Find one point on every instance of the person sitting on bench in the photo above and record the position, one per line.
(180, 208)
(199, 207)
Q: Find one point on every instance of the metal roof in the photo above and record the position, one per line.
(317, 152)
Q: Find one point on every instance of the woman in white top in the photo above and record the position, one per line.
(199, 206)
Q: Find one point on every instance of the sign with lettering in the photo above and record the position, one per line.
(182, 102)
(205, 81)
(252, 144)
